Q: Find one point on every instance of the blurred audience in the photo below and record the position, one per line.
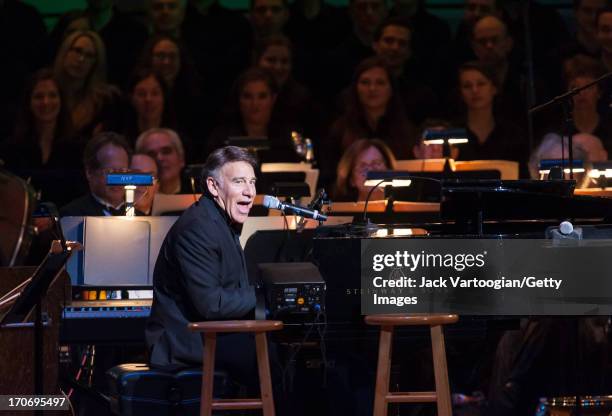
(148, 104)
(490, 136)
(431, 35)
(366, 16)
(249, 114)
(293, 103)
(187, 101)
(42, 147)
(361, 157)
(166, 148)
(393, 42)
(123, 36)
(105, 153)
(80, 68)
(373, 109)
(587, 116)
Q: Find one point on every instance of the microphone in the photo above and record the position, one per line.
(274, 203)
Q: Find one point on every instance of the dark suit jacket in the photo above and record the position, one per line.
(83, 206)
(200, 275)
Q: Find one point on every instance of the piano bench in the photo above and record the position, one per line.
(137, 389)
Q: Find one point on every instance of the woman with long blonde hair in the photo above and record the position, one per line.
(80, 68)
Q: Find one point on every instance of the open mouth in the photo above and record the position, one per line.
(244, 206)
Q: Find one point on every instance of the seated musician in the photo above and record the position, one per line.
(361, 157)
(104, 153)
(201, 273)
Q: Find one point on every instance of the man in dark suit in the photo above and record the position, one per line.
(201, 273)
(104, 153)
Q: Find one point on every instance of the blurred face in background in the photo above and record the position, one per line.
(166, 60)
(604, 32)
(586, 15)
(269, 16)
(369, 160)
(277, 59)
(585, 99)
(477, 91)
(490, 41)
(45, 101)
(169, 161)
(256, 103)
(111, 158)
(367, 15)
(475, 9)
(144, 195)
(148, 99)
(80, 58)
(394, 45)
(166, 15)
(374, 89)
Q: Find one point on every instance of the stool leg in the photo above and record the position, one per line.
(265, 380)
(208, 376)
(383, 371)
(443, 400)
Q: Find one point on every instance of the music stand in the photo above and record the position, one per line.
(30, 298)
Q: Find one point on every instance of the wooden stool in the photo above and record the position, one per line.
(442, 394)
(209, 332)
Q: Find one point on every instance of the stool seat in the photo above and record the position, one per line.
(208, 331)
(397, 319)
(235, 326)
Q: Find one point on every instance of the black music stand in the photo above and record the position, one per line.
(30, 298)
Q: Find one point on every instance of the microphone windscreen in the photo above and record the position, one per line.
(270, 202)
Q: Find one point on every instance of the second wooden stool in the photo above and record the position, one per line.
(382, 396)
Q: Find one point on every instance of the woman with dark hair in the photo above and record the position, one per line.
(80, 69)
(42, 146)
(148, 103)
(490, 136)
(373, 110)
(168, 57)
(294, 103)
(249, 114)
(361, 157)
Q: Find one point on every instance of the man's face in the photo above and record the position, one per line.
(166, 15)
(269, 16)
(160, 147)
(586, 15)
(111, 158)
(234, 190)
(491, 42)
(475, 9)
(604, 31)
(394, 45)
(367, 14)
